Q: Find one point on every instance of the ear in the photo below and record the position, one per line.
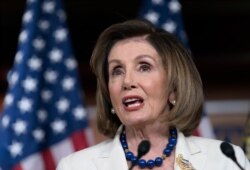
(172, 97)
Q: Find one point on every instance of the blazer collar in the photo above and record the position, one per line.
(113, 156)
(188, 153)
(117, 156)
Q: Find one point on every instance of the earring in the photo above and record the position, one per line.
(112, 110)
(173, 102)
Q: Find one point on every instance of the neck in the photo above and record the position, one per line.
(154, 132)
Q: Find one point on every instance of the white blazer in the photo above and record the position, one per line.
(199, 153)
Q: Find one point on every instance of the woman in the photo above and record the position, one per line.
(148, 88)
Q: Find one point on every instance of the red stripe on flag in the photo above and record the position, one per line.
(79, 140)
(48, 159)
(18, 167)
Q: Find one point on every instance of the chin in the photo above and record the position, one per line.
(136, 123)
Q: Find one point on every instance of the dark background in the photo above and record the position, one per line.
(218, 32)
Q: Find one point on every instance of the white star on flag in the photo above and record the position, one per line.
(23, 36)
(29, 84)
(169, 26)
(28, 16)
(46, 95)
(38, 134)
(38, 43)
(58, 126)
(18, 57)
(5, 121)
(15, 148)
(43, 25)
(79, 113)
(70, 63)
(42, 115)
(13, 78)
(62, 105)
(174, 6)
(60, 34)
(8, 100)
(35, 63)
(48, 7)
(55, 55)
(68, 83)
(50, 76)
(24, 104)
(152, 17)
(19, 127)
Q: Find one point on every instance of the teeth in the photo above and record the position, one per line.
(131, 100)
(134, 105)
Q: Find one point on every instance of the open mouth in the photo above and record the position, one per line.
(132, 102)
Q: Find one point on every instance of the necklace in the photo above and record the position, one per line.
(172, 140)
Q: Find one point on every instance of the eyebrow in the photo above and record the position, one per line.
(114, 61)
(137, 58)
(144, 56)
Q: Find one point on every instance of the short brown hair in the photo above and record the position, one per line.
(184, 78)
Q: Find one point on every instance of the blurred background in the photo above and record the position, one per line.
(219, 38)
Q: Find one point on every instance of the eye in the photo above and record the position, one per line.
(144, 67)
(117, 70)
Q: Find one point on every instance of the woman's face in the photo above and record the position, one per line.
(138, 82)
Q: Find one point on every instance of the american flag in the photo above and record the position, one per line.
(44, 117)
(166, 14)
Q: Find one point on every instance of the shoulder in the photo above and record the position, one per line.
(195, 144)
(207, 144)
(204, 142)
(85, 158)
(211, 148)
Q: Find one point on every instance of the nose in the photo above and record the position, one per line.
(128, 86)
(128, 82)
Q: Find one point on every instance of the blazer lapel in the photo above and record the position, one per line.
(188, 155)
(113, 157)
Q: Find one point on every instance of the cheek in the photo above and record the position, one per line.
(113, 91)
(158, 88)
(156, 83)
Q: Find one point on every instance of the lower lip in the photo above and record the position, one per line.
(134, 108)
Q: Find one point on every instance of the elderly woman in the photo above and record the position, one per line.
(149, 101)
